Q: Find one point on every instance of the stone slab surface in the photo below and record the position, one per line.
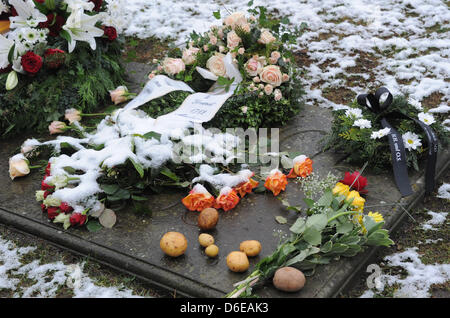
(132, 245)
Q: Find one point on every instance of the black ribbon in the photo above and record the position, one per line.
(397, 147)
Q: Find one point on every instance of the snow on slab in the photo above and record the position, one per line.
(420, 276)
(418, 64)
(48, 278)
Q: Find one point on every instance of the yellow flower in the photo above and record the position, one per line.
(377, 217)
(358, 201)
(359, 218)
(341, 189)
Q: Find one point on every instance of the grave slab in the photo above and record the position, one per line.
(132, 245)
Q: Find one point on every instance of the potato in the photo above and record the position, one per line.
(207, 219)
(251, 247)
(289, 279)
(237, 261)
(212, 250)
(205, 240)
(173, 244)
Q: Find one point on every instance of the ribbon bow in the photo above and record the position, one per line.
(396, 142)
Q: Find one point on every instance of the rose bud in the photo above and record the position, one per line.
(65, 208)
(72, 115)
(52, 212)
(302, 167)
(356, 181)
(57, 127)
(198, 199)
(54, 58)
(110, 32)
(276, 181)
(77, 219)
(227, 199)
(18, 166)
(119, 95)
(45, 186)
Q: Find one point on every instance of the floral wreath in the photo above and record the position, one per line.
(271, 91)
(56, 54)
(358, 132)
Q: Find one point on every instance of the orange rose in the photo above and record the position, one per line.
(198, 199)
(227, 199)
(302, 167)
(276, 181)
(246, 187)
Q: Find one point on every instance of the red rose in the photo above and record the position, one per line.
(46, 193)
(65, 208)
(31, 62)
(45, 186)
(52, 212)
(43, 207)
(98, 4)
(54, 58)
(359, 184)
(47, 169)
(54, 24)
(77, 218)
(111, 33)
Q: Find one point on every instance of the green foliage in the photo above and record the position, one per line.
(82, 82)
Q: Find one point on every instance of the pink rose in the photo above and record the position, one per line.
(189, 55)
(277, 95)
(235, 19)
(119, 95)
(72, 115)
(271, 74)
(268, 89)
(212, 39)
(241, 51)
(285, 78)
(233, 40)
(266, 37)
(173, 66)
(216, 64)
(57, 127)
(254, 66)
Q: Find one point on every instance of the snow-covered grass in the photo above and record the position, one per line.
(35, 279)
(349, 45)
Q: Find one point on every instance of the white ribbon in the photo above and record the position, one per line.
(197, 107)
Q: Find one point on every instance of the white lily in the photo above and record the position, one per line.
(74, 5)
(5, 46)
(28, 14)
(81, 27)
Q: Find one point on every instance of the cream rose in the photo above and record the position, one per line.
(18, 166)
(268, 89)
(119, 95)
(72, 115)
(189, 55)
(277, 95)
(233, 40)
(173, 66)
(266, 37)
(271, 74)
(216, 64)
(254, 66)
(235, 19)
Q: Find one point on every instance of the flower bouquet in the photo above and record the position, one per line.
(335, 226)
(270, 92)
(57, 54)
(361, 130)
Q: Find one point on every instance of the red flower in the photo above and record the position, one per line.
(54, 24)
(110, 32)
(31, 62)
(77, 218)
(47, 169)
(40, 1)
(65, 208)
(356, 180)
(98, 4)
(52, 212)
(45, 186)
(54, 58)
(43, 207)
(46, 193)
